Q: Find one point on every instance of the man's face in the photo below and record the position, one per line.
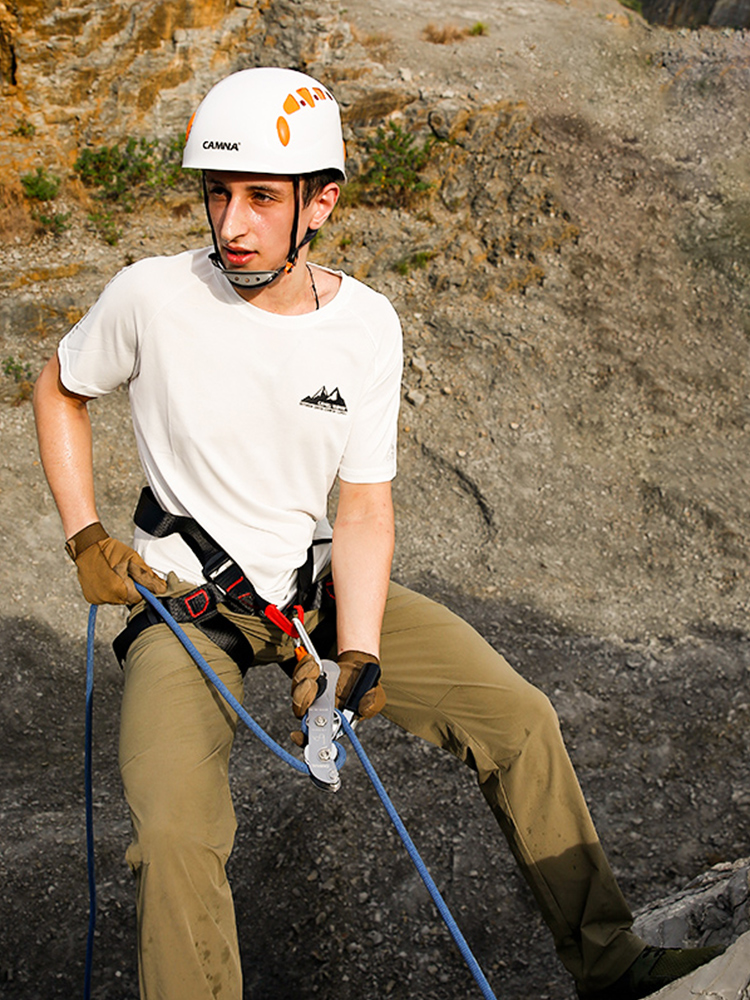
(252, 217)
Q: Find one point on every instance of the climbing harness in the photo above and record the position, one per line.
(226, 583)
(218, 566)
(323, 769)
(199, 608)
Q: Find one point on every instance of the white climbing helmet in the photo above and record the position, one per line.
(266, 120)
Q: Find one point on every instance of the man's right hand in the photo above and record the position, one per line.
(107, 568)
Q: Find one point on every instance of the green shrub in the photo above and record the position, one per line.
(417, 260)
(395, 165)
(16, 370)
(105, 225)
(119, 172)
(40, 186)
(116, 171)
(24, 128)
(57, 223)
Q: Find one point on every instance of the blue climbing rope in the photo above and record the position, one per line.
(220, 686)
(419, 864)
(298, 765)
(89, 800)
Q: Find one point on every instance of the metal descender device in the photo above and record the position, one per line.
(323, 755)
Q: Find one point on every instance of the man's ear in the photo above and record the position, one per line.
(323, 204)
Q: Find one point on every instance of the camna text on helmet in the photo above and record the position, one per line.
(219, 144)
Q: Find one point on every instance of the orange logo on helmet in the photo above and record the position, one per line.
(282, 127)
(302, 98)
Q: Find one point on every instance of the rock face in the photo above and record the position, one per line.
(713, 909)
(725, 978)
(574, 286)
(92, 73)
(694, 13)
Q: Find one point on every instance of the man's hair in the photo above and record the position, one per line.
(313, 183)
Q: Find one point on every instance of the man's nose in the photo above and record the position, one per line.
(234, 220)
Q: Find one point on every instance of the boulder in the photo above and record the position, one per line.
(726, 978)
(712, 909)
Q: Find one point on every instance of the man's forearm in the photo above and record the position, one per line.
(65, 448)
(363, 539)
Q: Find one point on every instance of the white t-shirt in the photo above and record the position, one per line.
(243, 418)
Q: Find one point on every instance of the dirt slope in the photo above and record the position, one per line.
(573, 480)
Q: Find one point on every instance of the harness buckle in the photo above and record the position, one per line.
(224, 573)
(215, 565)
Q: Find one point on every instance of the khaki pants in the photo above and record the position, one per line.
(443, 683)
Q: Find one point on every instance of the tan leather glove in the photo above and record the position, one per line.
(108, 567)
(351, 662)
(304, 685)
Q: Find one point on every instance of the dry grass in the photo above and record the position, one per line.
(337, 73)
(15, 217)
(181, 210)
(448, 34)
(378, 43)
(24, 392)
(44, 274)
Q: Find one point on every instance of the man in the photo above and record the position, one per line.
(256, 380)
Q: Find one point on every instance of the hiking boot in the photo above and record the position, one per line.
(652, 970)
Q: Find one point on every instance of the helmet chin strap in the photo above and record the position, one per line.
(245, 279)
(259, 279)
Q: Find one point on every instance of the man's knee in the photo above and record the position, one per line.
(516, 723)
(168, 840)
(174, 812)
(540, 710)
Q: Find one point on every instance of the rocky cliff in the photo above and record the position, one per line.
(90, 73)
(694, 13)
(572, 283)
(572, 278)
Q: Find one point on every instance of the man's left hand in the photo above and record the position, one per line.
(351, 663)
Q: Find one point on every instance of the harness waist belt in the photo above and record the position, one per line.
(198, 608)
(225, 583)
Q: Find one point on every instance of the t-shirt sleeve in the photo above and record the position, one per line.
(370, 453)
(101, 351)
